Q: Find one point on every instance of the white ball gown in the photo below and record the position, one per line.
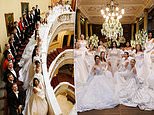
(114, 58)
(81, 69)
(98, 92)
(149, 47)
(126, 86)
(89, 59)
(139, 57)
(37, 104)
(145, 94)
(83, 49)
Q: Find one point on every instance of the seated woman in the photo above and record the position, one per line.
(37, 104)
(126, 85)
(98, 93)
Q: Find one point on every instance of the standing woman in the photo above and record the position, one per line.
(101, 47)
(82, 45)
(139, 57)
(37, 104)
(149, 47)
(89, 57)
(114, 57)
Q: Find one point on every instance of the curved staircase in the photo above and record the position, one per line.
(47, 33)
(61, 77)
(53, 55)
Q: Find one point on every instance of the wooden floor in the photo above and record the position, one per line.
(119, 110)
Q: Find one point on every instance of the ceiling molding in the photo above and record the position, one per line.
(133, 9)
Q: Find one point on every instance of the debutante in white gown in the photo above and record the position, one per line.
(146, 92)
(37, 104)
(83, 49)
(139, 57)
(126, 86)
(114, 59)
(98, 93)
(149, 47)
(150, 77)
(81, 70)
(89, 59)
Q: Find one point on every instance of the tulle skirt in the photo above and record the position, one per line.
(37, 106)
(97, 94)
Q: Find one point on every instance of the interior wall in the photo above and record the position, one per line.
(59, 42)
(14, 6)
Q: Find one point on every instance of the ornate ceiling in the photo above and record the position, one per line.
(133, 9)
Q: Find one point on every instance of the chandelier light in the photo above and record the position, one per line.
(112, 11)
(112, 27)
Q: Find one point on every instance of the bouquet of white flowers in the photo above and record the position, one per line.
(141, 37)
(93, 40)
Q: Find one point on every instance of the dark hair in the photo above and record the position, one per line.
(140, 47)
(128, 42)
(96, 57)
(14, 84)
(113, 43)
(21, 18)
(134, 60)
(9, 75)
(126, 53)
(102, 58)
(36, 33)
(15, 22)
(37, 62)
(34, 81)
(34, 52)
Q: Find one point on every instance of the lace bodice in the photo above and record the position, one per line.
(149, 45)
(99, 70)
(77, 53)
(82, 44)
(139, 56)
(114, 52)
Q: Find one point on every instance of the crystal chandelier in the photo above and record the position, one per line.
(112, 11)
(112, 27)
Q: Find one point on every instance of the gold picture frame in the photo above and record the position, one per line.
(9, 20)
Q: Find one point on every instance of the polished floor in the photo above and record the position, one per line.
(119, 110)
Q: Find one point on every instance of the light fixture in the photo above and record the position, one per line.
(113, 10)
(112, 27)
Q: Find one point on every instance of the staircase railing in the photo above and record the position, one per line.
(64, 21)
(64, 84)
(48, 33)
(63, 56)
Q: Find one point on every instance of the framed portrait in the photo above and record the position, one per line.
(24, 8)
(9, 20)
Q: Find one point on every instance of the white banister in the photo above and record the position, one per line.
(65, 55)
(47, 33)
(59, 24)
(63, 83)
